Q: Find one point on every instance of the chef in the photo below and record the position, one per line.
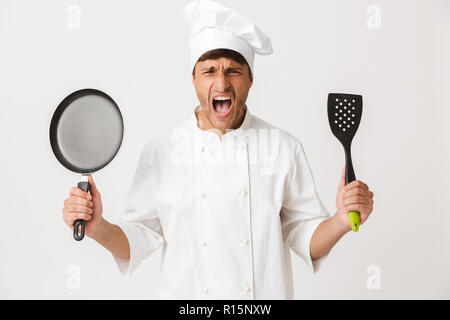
(225, 195)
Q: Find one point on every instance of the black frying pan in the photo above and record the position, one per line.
(86, 132)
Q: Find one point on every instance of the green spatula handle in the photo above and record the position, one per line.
(355, 219)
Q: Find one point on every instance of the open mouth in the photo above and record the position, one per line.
(222, 107)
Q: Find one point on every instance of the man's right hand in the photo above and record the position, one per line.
(82, 205)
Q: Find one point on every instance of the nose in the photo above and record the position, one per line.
(221, 82)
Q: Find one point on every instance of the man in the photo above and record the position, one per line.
(225, 194)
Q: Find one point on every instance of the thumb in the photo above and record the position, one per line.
(93, 188)
(342, 180)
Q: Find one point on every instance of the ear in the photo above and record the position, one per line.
(193, 73)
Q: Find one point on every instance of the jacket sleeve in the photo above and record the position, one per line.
(302, 210)
(140, 221)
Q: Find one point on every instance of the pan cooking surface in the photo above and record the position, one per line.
(87, 131)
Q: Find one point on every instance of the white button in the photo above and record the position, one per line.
(205, 290)
(203, 243)
(246, 289)
(245, 241)
(203, 195)
(203, 149)
(243, 192)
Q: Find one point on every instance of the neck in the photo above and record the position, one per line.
(205, 123)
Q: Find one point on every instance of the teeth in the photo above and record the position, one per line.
(222, 98)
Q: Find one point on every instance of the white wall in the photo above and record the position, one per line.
(136, 51)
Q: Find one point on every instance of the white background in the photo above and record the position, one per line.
(136, 51)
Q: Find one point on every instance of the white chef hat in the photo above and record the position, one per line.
(214, 26)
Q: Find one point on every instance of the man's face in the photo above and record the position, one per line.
(222, 77)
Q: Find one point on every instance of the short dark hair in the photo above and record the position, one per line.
(224, 53)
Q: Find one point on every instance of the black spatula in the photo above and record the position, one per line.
(344, 115)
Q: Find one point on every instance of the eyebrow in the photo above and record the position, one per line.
(229, 68)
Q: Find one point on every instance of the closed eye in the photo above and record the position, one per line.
(228, 71)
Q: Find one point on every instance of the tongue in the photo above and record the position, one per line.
(222, 106)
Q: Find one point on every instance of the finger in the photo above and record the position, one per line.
(364, 216)
(356, 184)
(93, 188)
(70, 219)
(79, 201)
(69, 212)
(358, 192)
(357, 200)
(83, 216)
(75, 208)
(367, 211)
(77, 192)
(361, 208)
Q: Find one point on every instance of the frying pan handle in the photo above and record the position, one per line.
(85, 186)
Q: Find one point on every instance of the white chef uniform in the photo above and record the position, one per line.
(225, 211)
